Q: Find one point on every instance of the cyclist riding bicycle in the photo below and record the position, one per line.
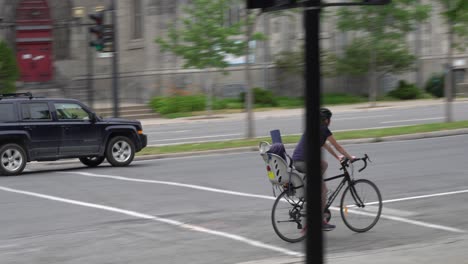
(325, 135)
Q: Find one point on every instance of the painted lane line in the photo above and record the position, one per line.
(197, 187)
(166, 132)
(212, 136)
(159, 219)
(405, 220)
(191, 186)
(420, 197)
(411, 120)
(360, 117)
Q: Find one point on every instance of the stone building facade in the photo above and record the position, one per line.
(146, 72)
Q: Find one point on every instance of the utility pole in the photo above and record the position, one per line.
(115, 60)
(89, 79)
(314, 242)
(448, 88)
(249, 95)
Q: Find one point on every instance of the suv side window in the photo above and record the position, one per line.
(35, 111)
(70, 111)
(7, 113)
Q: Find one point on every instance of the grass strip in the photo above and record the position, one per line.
(354, 134)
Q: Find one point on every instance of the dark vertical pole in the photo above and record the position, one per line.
(90, 60)
(314, 242)
(115, 60)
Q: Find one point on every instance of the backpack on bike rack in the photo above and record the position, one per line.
(280, 175)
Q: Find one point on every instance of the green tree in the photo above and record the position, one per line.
(204, 40)
(9, 72)
(456, 15)
(381, 47)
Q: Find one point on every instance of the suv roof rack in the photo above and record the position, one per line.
(16, 95)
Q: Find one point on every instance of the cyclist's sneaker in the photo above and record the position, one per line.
(327, 226)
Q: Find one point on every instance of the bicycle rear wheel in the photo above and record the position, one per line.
(288, 217)
(361, 205)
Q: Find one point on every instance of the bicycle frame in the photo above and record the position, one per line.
(337, 191)
(347, 179)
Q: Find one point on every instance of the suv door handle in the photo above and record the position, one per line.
(28, 128)
(66, 127)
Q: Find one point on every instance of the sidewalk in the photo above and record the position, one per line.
(299, 111)
(447, 251)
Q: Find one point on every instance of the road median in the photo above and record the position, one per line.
(345, 137)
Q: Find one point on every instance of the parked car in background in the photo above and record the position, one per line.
(49, 129)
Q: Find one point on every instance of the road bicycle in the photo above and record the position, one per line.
(360, 205)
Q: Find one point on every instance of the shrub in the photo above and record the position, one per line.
(406, 91)
(435, 85)
(341, 98)
(9, 72)
(284, 101)
(261, 97)
(178, 104)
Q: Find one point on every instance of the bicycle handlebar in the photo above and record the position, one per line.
(366, 158)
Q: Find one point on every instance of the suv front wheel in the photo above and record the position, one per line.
(92, 161)
(120, 151)
(12, 159)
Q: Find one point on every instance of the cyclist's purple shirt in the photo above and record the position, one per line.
(298, 154)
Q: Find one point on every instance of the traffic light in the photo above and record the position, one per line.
(104, 40)
(97, 30)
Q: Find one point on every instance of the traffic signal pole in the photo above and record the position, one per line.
(115, 60)
(314, 241)
(90, 61)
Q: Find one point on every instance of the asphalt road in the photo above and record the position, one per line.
(216, 209)
(220, 129)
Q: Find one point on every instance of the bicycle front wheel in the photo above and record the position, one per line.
(288, 217)
(361, 205)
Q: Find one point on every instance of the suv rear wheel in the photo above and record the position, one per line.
(92, 161)
(120, 151)
(12, 159)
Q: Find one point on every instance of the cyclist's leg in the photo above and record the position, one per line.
(324, 186)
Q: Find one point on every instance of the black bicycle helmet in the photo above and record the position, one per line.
(325, 113)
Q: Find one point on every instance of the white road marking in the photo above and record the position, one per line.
(159, 219)
(360, 117)
(212, 136)
(168, 132)
(197, 187)
(405, 220)
(397, 212)
(191, 186)
(421, 196)
(411, 120)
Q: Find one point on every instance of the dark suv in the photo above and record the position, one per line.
(46, 129)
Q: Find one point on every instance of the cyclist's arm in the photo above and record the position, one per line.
(331, 151)
(338, 147)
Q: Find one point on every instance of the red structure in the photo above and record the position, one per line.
(34, 41)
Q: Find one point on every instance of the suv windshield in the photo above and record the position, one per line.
(7, 113)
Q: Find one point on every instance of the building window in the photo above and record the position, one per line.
(232, 15)
(137, 32)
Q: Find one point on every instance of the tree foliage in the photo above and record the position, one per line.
(203, 38)
(380, 29)
(9, 72)
(456, 15)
